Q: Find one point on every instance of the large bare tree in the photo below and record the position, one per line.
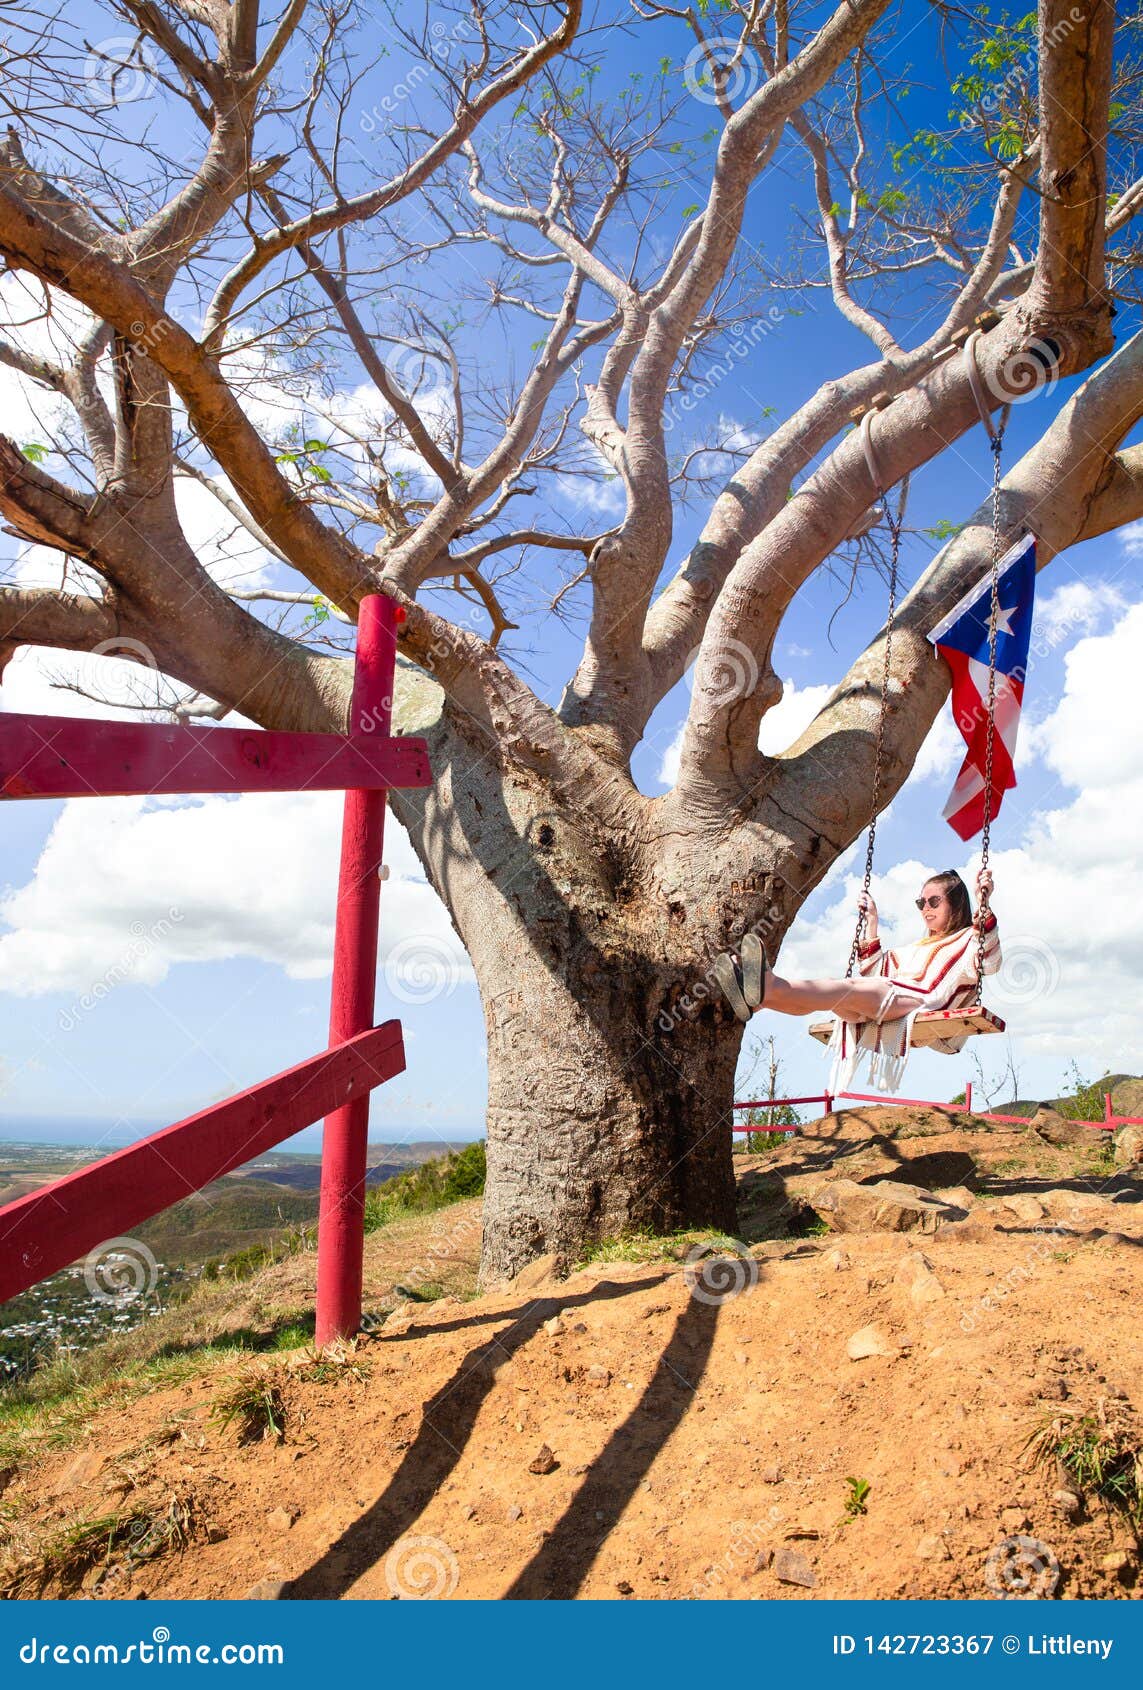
(523, 264)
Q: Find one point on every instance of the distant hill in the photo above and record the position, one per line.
(303, 1173)
(1126, 1097)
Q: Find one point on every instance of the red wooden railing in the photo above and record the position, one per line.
(53, 757)
(1108, 1124)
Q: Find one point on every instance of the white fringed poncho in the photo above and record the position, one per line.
(940, 972)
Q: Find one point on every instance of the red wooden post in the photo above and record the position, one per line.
(968, 1094)
(353, 994)
(1107, 1106)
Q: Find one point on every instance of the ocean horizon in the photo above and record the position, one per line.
(89, 1132)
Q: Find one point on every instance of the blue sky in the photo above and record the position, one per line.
(156, 955)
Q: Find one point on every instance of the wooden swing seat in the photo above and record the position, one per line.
(933, 1024)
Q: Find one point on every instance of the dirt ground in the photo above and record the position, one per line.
(813, 1413)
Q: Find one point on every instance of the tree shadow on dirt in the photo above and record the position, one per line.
(447, 1422)
(568, 1553)
(1112, 1188)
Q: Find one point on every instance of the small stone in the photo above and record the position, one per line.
(915, 1271)
(536, 1273)
(515, 1513)
(792, 1567)
(771, 1475)
(216, 1534)
(762, 1560)
(398, 1320)
(837, 1261)
(468, 1512)
(1024, 1206)
(1068, 1504)
(741, 1357)
(1117, 1561)
(554, 1326)
(624, 1588)
(267, 1590)
(1014, 1520)
(281, 1519)
(869, 1341)
(932, 1548)
(598, 1376)
(543, 1461)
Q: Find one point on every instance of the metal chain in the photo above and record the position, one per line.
(997, 442)
(895, 525)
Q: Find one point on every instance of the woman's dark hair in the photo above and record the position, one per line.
(960, 909)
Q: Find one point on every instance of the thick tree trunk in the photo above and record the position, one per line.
(609, 1096)
(600, 1119)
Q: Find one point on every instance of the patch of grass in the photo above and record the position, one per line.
(646, 1246)
(126, 1539)
(244, 1264)
(251, 1404)
(338, 1362)
(433, 1185)
(431, 1291)
(1101, 1452)
(857, 1497)
(292, 1337)
(1101, 1160)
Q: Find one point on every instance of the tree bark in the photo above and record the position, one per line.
(611, 1059)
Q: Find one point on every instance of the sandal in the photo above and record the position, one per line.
(753, 970)
(729, 976)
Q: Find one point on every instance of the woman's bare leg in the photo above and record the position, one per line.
(854, 1000)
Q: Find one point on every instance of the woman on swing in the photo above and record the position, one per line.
(873, 1014)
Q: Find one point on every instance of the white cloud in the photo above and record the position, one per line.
(1091, 737)
(1073, 609)
(604, 500)
(780, 727)
(942, 750)
(1131, 539)
(125, 888)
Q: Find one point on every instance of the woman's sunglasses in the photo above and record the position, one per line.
(930, 903)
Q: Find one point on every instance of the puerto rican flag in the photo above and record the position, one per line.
(962, 640)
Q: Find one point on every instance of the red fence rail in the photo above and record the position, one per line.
(53, 757)
(48, 1228)
(1108, 1124)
